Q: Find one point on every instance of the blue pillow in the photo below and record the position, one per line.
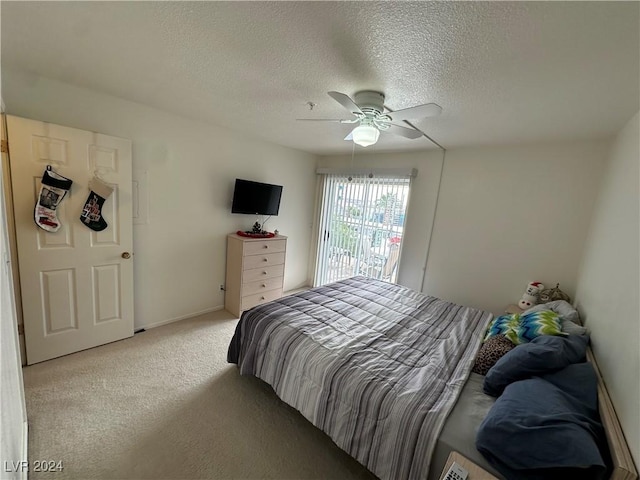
(547, 427)
(543, 354)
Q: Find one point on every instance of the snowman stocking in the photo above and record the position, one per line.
(53, 190)
(92, 212)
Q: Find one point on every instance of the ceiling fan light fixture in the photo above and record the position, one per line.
(365, 135)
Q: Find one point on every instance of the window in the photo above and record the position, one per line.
(361, 226)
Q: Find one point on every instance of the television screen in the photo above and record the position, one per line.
(255, 198)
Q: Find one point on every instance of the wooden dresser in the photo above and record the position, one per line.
(255, 271)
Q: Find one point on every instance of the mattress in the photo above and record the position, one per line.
(460, 429)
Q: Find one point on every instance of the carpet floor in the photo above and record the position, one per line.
(165, 404)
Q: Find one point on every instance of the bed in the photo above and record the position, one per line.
(376, 366)
(380, 368)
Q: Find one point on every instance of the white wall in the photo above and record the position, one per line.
(609, 285)
(180, 254)
(511, 215)
(424, 190)
(506, 216)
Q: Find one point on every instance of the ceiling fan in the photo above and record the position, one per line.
(368, 109)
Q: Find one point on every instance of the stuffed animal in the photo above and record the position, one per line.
(552, 294)
(530, 296)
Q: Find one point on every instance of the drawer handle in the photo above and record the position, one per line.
(266, 246)
(261, 298)
(264, 273)
(265, 259)
(264, 285)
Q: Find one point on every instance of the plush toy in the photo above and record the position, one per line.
(552, 294)
(530, 296)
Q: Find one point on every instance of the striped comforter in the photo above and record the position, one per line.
(376, 366)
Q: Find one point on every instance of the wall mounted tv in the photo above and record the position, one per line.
(255, 198)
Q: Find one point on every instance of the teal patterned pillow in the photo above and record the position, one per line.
(535, 324)
(506, 325)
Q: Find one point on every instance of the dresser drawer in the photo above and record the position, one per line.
(262, 286)
(259, 298)
(270, 246)
(256, 274)
(265, 260)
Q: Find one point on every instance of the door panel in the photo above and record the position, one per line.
(106, 280)
(58, 297)
(77, 287)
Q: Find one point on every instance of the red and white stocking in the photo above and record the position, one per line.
(53, 190)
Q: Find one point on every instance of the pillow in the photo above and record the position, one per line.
(569, 317)
(504, 325)
(522, 328)
(542, 355)
(573, 328)
(547, 427)
(532, 325)
(490, 352)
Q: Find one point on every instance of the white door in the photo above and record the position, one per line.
(77, 283)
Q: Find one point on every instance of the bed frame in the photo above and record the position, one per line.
(623, 467)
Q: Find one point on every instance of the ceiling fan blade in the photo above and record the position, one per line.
(346, 102)
(350, 136)
(321, 120)
(414, 113)
(403, 131)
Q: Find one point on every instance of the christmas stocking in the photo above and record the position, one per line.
(53, 189)
(92, 212)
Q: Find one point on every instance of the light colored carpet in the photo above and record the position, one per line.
(165, 404)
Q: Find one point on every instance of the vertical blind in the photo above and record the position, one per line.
(361, 225)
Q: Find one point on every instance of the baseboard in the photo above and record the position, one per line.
(177, 319)
(208, 310)
(301, 288)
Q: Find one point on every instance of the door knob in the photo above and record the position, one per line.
(126, 255)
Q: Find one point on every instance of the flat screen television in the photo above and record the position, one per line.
(255, 198)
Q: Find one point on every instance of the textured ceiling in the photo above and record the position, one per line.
(504, 72)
